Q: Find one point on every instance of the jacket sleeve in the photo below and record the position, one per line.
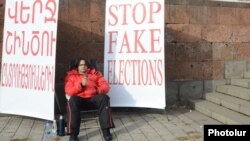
(102, 84)
(72, 85)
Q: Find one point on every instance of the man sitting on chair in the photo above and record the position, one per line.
(87, 87)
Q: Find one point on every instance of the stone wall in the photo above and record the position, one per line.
(204, 42)
(80, 33)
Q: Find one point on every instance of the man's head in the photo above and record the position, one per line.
(82, 66)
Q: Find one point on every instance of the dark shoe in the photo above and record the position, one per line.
(73, 138)
(108, 138)
(106, 134)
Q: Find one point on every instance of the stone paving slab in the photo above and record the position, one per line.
(177, 124)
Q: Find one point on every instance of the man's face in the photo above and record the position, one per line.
(82, 68)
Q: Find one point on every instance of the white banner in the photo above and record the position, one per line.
(28, 58)
(134, 53)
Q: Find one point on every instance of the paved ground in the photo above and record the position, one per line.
(178, 124)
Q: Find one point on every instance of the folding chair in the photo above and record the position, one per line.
(90, 115)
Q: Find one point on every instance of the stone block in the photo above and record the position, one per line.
(170, 52)
(97, 10)
(242, 51)
(212, 70)
(75, 31)
(171, 93)
(79, 10)
(66, 51)
(183, 33)
(2, 9)
(97, 51)
(180, 15)
(243, 15)
(218, 70)
(197, 51)
(228, 16)
(241, 33)
(197, 14)
(183, 71)
(186, 51)
(235, 69)
(170, 71)
(204, 51)
(86, 50)
(223, 51)
(210, 85)
(97, 30)
(167, 13)
(213, 15)
(191, 90)
(63, 10)
(206, 70)
(170, 14)
(217, 33)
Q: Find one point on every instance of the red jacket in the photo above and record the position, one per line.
(96, 84)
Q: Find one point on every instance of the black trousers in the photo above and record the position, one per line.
(77, 104)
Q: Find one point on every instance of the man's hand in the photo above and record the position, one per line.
(84, 80)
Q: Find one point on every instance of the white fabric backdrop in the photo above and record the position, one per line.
(28, 58)
(134, 61)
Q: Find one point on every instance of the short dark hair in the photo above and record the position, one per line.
(74, 63)
(79, 60)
